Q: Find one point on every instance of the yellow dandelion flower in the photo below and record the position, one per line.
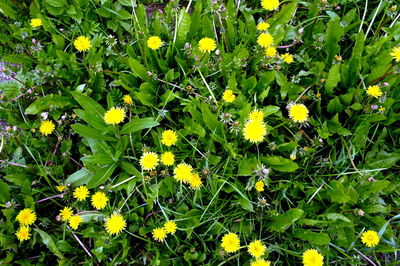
(396, 54)
(256, 249)
(169, 137)
(271, 51)
(298, 112)
(270, 4)
(26, 217)
(263, 26)
(154, 42)
(149, 161)
(207, 45)
(47, 127)
(261, 262)
(256, 115)
(61, 188)
(81, 193)
(66, 214)
(370, 238)
(170, 227)
(228, 96)
(115, 224)
(23, 233)
(159, 234)
(254, 131)
(311, 257)
(127, 100)
(82, 43)
(114, 116)
(36, 22)
(230, 242)
(195, 182)
(382, 109)
(265, 40)
(374, 91)
(75, 221)
(167, 158)
(183, 172)
(259, 186)
(99, 200)
(287, 58)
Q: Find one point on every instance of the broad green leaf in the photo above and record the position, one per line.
(333, 79)
(90, 132)
(334, 106)
(281, 164)
(47, 102)
(4, 192)
(183, 27)
(209, 118)
(285, 14)
(57, 3)
(101, 158)
(282, 222)
(138, 124)
(7, 10)
(79, 178)
(130, 169)
(101, 176)
(138, 69)
(95, 110)
(49, 242)
(334, 32)
(310, 236)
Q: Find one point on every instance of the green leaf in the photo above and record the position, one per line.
(138, 69)
(282, 222)
(57, 3)
(284, 16)
(334, 32)
(130, 169)
(183, 27)
(93, 109)
(246, 204)
(209, 118)
(4, 192)
(333, 79)
(381, 159)
(138, 124)
(90, 132)
(79, 178)
(281, 164)
(101, 176)
(49, 242)
(7, 10)
(47, 102)
(101, 158)
(310, 236)
(334, 106)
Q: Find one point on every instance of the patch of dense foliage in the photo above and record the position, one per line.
(201, 132)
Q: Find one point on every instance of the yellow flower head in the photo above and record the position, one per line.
(159, 234)
(256, 115)
(183, 172)
(167, 158)
(374, 91)
(66, 214)
(287, 58)
(36, 22)
(228, 96)
(99, 200)
(169, 137)
(260, 262)
(127, 100)
(75, 221)
(270, 4)
(47, 127)
(61, 188)
(170, 227)
(311, 257)
(82, 43)
(26, 217)
(23, 233)
(81, 193)
(230, 242)
(265, 40)
(154, 42)
(298, 112)
(370, 238)
(115, 224)
(396, 54)
(256, 249)
(207, 45)
(254, 131)
(114, 116)
(271, 51)
(195, 182)
(262, 26)
(259, 186)
(149, 161)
